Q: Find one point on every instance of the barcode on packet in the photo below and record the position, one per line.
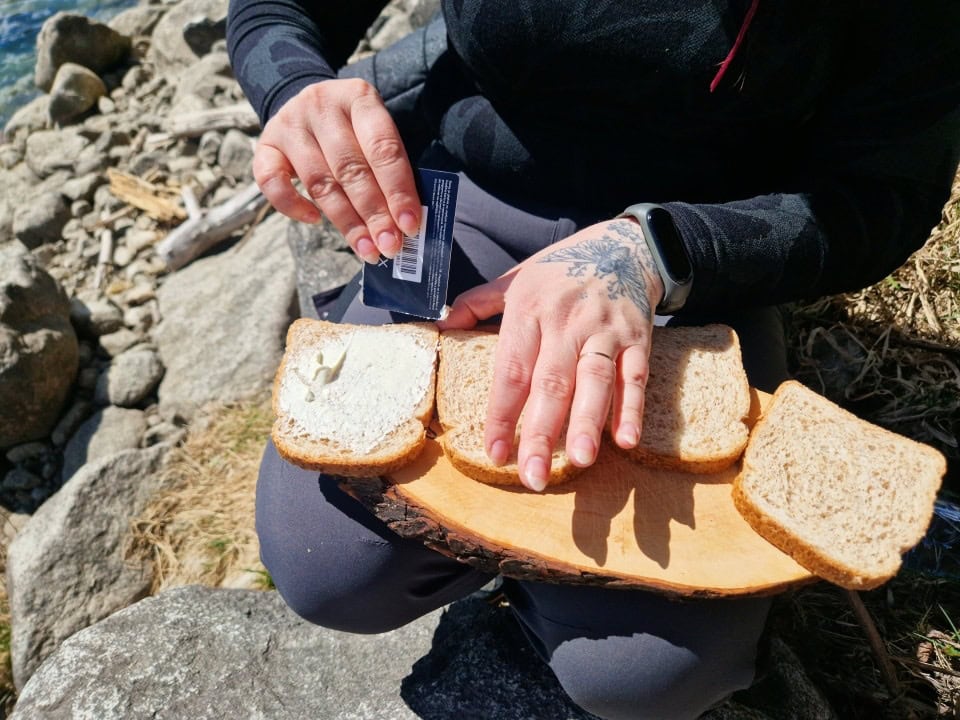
(408, 264)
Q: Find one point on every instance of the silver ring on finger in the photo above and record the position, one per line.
(587, 353)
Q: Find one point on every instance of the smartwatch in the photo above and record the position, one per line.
(668, 251)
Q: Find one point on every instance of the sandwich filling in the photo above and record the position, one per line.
(358, 389)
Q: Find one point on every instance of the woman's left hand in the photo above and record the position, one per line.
(575, 337)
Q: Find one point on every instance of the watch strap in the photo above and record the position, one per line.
(677, 277)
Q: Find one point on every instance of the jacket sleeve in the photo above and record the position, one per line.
(279, 47)
(879, 157)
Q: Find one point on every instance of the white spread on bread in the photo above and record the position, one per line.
(341, 400)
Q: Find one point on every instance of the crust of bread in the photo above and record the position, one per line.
(694, 465)
(561, 469)
(808, 556)
(832, 567)
(402, 447)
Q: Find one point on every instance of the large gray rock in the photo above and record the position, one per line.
(32, 116)
(224, 322)
(323, 259)
(70, 37)
(130, 378)
(42, 220)
(170, 50)
(75, 90)
(211, 654)
(139, 20)
(103, 434)
(39, 353)
(52, 150)
(66, 568)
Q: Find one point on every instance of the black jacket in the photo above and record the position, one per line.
(817, 165)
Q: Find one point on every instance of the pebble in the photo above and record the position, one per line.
(122, 256)
(27, 451)
(139, 294)
(21, 479)
(116, 342)
(87, 378)
(139, 318)
(97, 316)
(71, 420)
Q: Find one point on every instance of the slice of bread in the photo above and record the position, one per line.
(463, 387)
(354, 400)
(843, 497)
(697, 401)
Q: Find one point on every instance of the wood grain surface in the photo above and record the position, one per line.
(617, 524)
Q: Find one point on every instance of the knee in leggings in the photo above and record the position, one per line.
(338, 595)
(670, 685)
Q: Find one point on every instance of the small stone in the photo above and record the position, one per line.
(42, 220)
(105, 105)
(130, 378)
(139, 294)
(235, 155)
(140, 318)
(14, 522)
(70, 421)
(49, 470)
(27, 451)
(10, 155)
(79, 208)
(110, 430)
(95, 317)
(87, 379)
(86, 354)
(122, 256)
(150, 266)
(39, 494)
(75, 90)
(137, 239)
(21, 479)
(82, 188)
(116, 342)
(209, 146)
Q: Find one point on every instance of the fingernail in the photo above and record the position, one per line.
(499, 452)
(311, 216)
(388, 243)
(535, 473)
(584, 451)
(367, 250)
(628, 436)
(408, 223)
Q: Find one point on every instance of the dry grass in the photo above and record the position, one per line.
(8, 693)
(201, 530)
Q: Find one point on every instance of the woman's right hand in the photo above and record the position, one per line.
(337, 137)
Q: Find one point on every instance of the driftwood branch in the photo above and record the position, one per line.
(104, 258)
(203, 230)
(187, 125)
(157, 201)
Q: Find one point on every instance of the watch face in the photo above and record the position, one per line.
(671, 246)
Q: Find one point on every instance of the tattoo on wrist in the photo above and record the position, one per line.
(619, 256)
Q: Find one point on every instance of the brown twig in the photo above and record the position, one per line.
(929, 667)
(887, 670)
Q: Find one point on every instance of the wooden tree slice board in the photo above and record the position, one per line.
(617, 524)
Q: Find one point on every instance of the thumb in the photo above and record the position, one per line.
(474, 305)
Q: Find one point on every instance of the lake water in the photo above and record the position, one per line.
(20, 21)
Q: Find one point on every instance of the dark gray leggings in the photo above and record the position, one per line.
(619, 654)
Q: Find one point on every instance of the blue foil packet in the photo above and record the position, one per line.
(415, 281)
